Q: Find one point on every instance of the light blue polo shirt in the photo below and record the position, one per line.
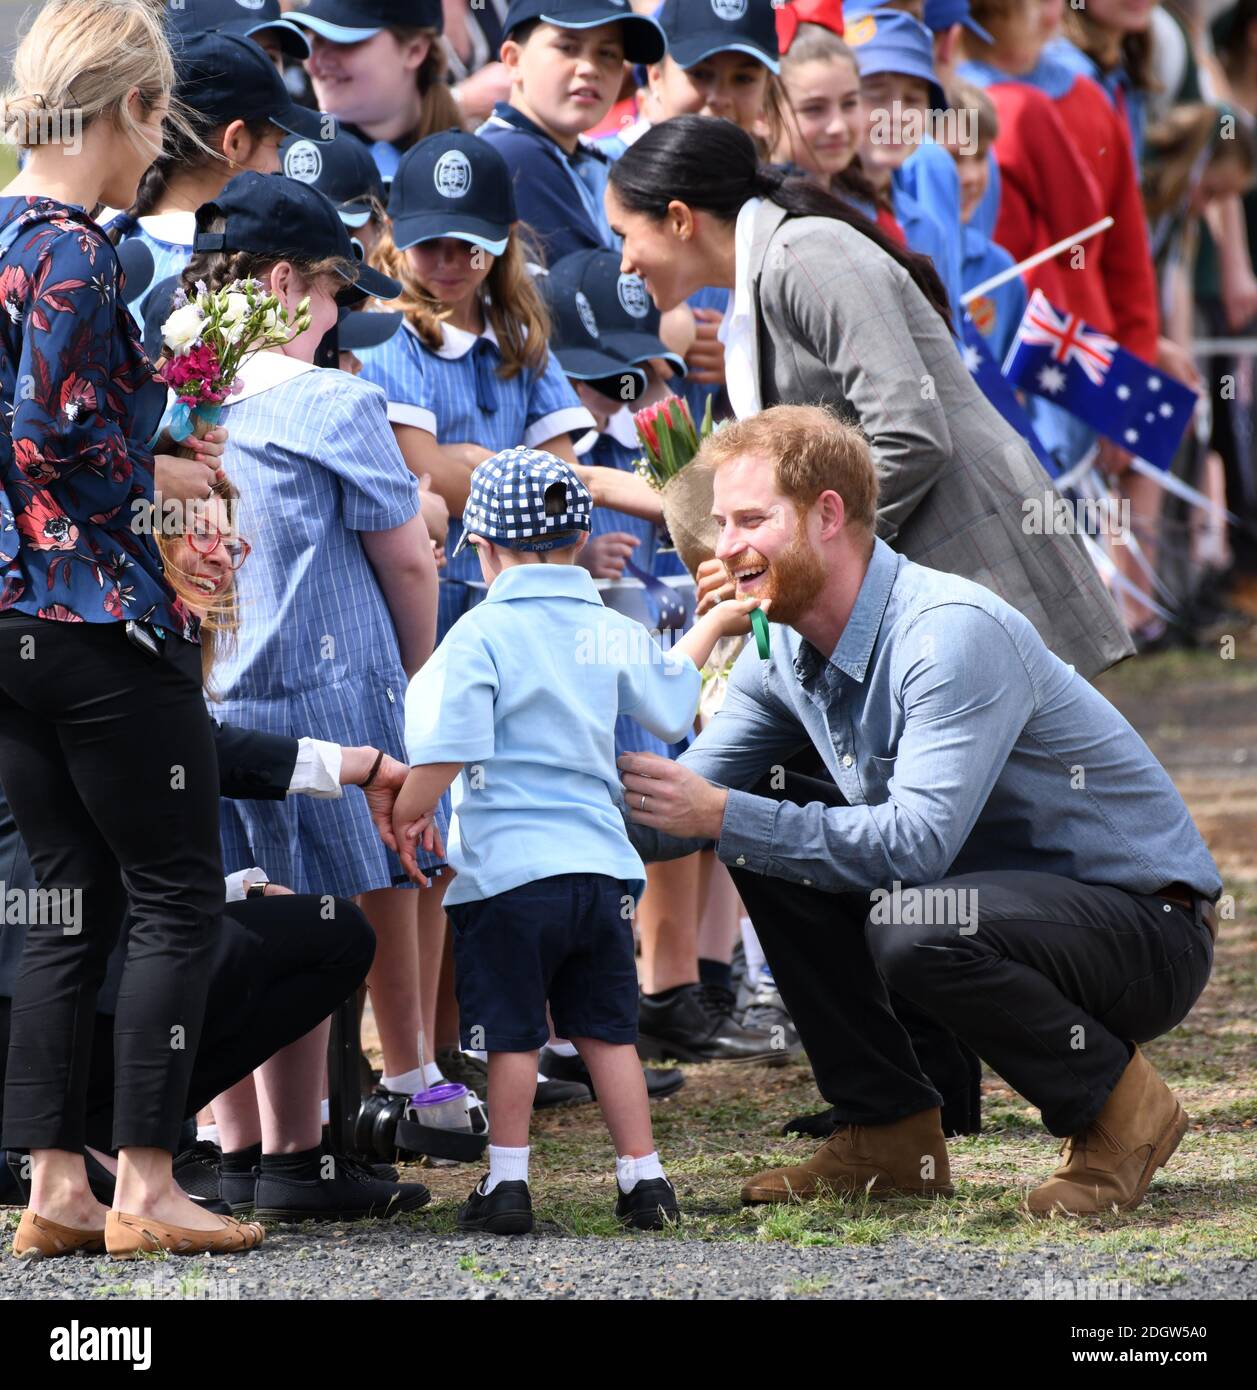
(524, 692)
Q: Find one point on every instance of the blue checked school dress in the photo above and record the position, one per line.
(314, 459)
(168, 236)
(457, 396)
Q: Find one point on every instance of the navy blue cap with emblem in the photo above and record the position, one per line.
(342, 170)
(697, 29)
(526, 499)
(452, 184)
(273, 215)
(643, 38)
(354, 21)
(258, 20)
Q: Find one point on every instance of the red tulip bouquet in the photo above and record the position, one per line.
(671, 442)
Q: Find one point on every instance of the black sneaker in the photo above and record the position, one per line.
(650, 1206)
(660, 1081)
(506, 1211)
(351, 1192)
(460, 1066)
(196, 1170)
(696, 1023)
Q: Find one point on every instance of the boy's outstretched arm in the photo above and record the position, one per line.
(415, 804)
(732, 618)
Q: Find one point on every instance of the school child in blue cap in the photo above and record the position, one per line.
(260, 20)
(566, 59)
(894, 53)
(518, 703)
(242, 111)
(470, 372)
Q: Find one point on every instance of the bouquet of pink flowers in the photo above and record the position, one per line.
(671, 443)
(209, 336)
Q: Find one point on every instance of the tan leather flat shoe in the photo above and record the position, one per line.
(127, 1236)
(40, 1239)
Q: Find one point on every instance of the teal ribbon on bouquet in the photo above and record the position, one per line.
(179, 420)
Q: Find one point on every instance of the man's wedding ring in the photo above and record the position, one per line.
(642, 807)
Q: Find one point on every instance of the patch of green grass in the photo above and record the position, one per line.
(481, 1276)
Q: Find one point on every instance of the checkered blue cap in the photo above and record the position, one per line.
(507, 504)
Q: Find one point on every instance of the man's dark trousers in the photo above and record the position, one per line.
(1045, 979)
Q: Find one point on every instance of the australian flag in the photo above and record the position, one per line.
(986, 373)
(1058, 357)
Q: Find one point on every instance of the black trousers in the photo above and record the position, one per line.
(280, 966)
(1047, 980)
(107, 760)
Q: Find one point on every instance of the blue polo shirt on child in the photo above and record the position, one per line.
(558, 194)
(524, 692)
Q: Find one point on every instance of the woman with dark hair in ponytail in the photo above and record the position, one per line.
(827, 309)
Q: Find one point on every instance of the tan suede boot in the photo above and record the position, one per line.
(907, 1158)
(1111, 1163)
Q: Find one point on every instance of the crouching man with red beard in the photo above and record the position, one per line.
(986, 851)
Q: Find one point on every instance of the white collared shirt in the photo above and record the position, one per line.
(737, 329)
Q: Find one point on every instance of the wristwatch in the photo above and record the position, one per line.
(257, 889)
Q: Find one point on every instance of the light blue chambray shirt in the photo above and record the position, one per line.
(960, 742)
(524, 692)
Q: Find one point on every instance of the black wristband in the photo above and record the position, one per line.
(375, 767)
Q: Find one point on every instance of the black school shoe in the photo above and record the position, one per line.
(506, 1211)
(650, 1206)
(660, 1081)
(352, 1192)
(696, 1023)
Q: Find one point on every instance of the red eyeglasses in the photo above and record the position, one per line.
(207, 542)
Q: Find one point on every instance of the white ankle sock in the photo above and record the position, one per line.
(406, 1084)
(753, 950)
(563, 1048)
(630, 1171)
(207, 1133)
(432, 1075)
(325, 1112)
(506, 1165)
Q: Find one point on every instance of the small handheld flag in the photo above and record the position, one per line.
(986, 374)
(1059, 357)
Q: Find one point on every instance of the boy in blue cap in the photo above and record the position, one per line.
(521, 699)
(566, 59)
(894, 53)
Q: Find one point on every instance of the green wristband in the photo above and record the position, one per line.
(759, 626)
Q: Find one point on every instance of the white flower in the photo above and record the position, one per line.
(182, 328)
(270, 320)
(235, 309)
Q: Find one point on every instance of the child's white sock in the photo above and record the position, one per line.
(325, 1112)
(406, 1084)
(506, 1165)
(207, 1134)
(753, 950)
(432, 1075)
(563, 1048)
(630, 1171)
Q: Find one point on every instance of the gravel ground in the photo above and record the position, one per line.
(392, 1261)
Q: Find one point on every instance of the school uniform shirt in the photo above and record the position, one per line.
(316, 655)
(456, 395)
(929, 176)
(997, 313)
(524, 692)
(985, 215)
(925, 234)
(81, 405)
(168, 236)
(1130, 103)
(558, 194)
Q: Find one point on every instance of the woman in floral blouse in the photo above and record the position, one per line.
(106, 751)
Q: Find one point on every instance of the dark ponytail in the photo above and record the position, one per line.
(710, 164)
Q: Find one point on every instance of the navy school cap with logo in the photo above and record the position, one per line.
(643, 38)
(602, 319)
(354, 21)
(225, 78)
(452, 184)
(526, 499)
(273, 215)
(342, 170)
(251, 19)
(696, 29)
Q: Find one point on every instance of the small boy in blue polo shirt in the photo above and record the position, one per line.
(566, 60)
(519, 703)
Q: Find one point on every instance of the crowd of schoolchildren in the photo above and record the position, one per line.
(448, 453)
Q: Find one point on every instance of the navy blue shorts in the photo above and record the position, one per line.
(566, 939)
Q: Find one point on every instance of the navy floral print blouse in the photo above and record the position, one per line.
(80, 403)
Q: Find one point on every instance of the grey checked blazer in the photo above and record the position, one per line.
(839, 322)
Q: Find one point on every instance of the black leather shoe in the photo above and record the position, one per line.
(650, 1206)
(552, 1092)
(506, 1211)
(460, 1066)
(821, 1126)
(696, 1023)
(660, 1081)
(351, 1192)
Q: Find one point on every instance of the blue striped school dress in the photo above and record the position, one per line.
(314, 459)
(455, 394)
(168, 235)
(612, 449)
